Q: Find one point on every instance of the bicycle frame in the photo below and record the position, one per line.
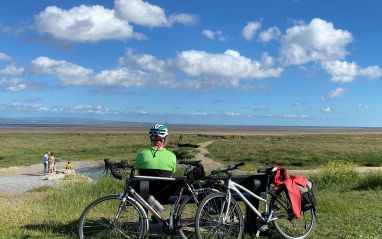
(237, 187)
(130, 191)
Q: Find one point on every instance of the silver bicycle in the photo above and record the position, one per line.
(219, 214)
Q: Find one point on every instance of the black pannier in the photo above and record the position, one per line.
(197, 173)
(308, 200)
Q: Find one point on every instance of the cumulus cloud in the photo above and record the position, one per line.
(344, 72)
(83, 23)
(214, 35)
(269, 34)
(146, 14)
(337, 92)
(188, 69)
(229, 65)
(5, 57)
(317, 41)
(250, 30)
(68, 73)
(121, 77)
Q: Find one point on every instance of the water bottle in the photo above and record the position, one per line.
(155, 204)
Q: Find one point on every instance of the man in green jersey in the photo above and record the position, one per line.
(156, 160)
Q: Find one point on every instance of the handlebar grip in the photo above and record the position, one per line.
(239, 164)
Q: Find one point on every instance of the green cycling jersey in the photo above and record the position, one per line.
(156, 159)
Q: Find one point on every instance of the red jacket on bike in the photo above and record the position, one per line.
(291, 182)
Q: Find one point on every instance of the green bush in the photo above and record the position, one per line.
(336, 174)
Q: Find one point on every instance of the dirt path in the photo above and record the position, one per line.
(37, 169)
(208, 163)
(21, 179)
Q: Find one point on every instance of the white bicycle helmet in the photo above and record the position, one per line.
(158, 130)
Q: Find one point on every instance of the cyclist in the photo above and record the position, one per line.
(156, 160)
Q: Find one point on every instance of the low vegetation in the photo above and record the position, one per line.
(298, 151)
(28, 148)
(348, 203)
(348, 207)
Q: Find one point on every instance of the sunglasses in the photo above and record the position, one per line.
(156, 138)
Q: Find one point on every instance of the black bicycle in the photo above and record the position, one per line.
(125, 215)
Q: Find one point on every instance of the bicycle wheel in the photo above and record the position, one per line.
(186, 213)
(98, 219)
(215, 219)
(286, 223)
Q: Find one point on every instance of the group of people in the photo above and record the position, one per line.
(49, 162)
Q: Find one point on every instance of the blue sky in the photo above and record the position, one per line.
(249, 62)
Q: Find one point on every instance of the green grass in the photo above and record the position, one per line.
(28, 148)
(298, 151)
(350, 211)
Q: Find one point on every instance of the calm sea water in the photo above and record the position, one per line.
(177, 127)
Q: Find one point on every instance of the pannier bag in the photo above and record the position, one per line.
(308, 200)
(197, 173)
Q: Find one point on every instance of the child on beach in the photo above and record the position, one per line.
(68, 165)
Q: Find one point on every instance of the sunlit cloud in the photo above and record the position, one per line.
(214, 35)
(250, 29)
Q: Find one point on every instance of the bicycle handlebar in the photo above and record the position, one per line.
(229, 168)
(114, 166)
(190, 162)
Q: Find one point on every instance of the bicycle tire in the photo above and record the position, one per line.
(185, 215)
(209, 221)
(286, 224)
(97, 220)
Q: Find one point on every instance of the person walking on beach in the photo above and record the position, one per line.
(45, 159)
(51, 162)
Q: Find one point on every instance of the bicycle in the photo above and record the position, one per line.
(125, 216)
(219, 215)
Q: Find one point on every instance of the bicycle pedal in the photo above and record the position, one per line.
(264, 227)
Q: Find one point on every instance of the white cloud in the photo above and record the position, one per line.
(218, 35)
(337, 92)
(145, 14)
(5, 57)
(344, 72)
(121, 77)
(327, 109)
(229, 65)
(183, 18)
(269, 34)
(68, 73)
(250, 30)
(13, 84)
(140, 13)
(317, 41)
(201, 69)
(83, 24)
(12, 70)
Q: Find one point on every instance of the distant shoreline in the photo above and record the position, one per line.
(182, 128)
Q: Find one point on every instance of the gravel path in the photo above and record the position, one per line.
(16, 180)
